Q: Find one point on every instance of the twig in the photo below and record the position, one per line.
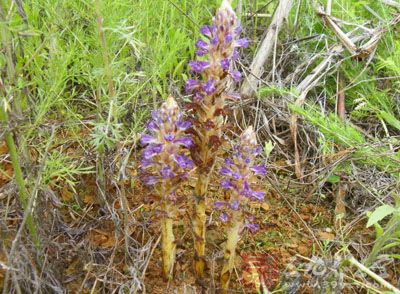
(373, 275)
(391, 3)
(265, 49)
(314, 77)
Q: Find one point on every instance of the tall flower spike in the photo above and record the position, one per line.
(164, 165)
(217, 50)
(239, 174)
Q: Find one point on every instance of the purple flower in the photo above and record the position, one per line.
(198, 97)
(147, 139)
(225, 63)
(229, 161)
(226, 184)
(201, 52)
(169, 137)
(259, 170)
(167, 173)
(234, 205)
(208, 87)
(152, 150)
(152, 126)
(183, 162)
(235, 55)
(224, 217)
(202, 47)
(183, 125)
(242, 43)
(253, 228)
(257, 150)
(228, 38)
(207, 31)
(191, 85)
(258, 196)
(201, 44)
(185, 141)
(224, 171)
(236, 76)
(156, 116)
(144, 163)
(219, 205)
(246, 192)
(238, 30)
(198, 66)
(214, 41)
(150, 180)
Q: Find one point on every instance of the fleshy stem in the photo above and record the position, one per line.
(168, 238)
(19, 179)
(230, 249)
(217, 51)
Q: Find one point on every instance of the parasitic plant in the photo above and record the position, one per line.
(239, 174)
(164, 165)
(214, 74)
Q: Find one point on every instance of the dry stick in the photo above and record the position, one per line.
(373, 275)
(391, 3)
(343, 37)
(341, 188)
(312, 79)
(265, 49)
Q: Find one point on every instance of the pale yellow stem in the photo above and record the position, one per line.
(168, 247)
(199, 226)
(230, 250)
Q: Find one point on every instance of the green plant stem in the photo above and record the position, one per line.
(230, 250)
(101, 179)
(6, 40)
(19, 179)
(391, 227)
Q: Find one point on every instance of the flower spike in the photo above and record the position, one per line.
(239, 174)
(213, 73)
(164, 165)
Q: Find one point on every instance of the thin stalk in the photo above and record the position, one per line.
(19, 179)
(230, 250)
(373, 275)
(100, 170)
(6, 40)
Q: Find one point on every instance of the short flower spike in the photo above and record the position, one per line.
(164, 165)
(239, 174)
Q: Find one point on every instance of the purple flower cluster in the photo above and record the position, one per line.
(239, 174)
(164, 158)
(217, 50)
